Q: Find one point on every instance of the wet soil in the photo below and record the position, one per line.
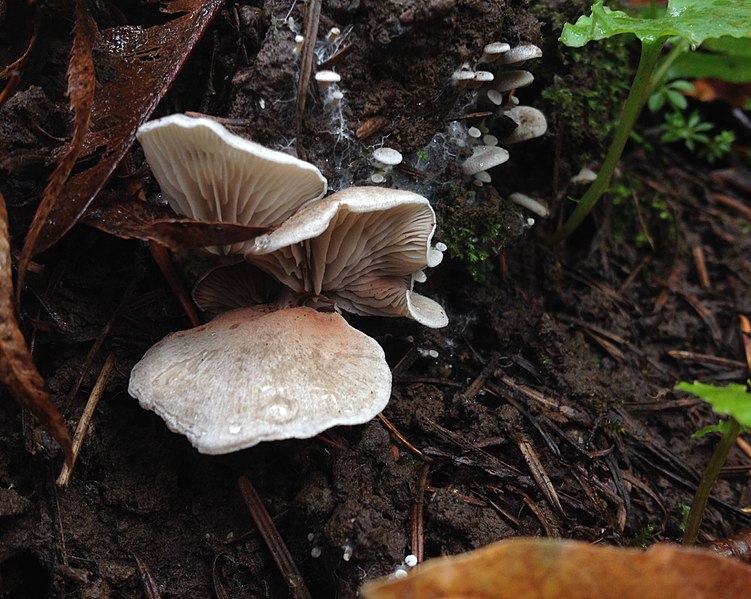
(560, 361)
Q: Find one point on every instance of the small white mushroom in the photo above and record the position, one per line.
(531, 124)
(474, 132)
(299, 42)
(484, 158)
(360, 248)
(495, 97)
(463, 77)
(247, 377)
(480, 78)
(493, 52)
(584, 177)
(386, 157)
(333, 34)
(326, 78)
(519, 54)
(513, 80)
(210, 174)
(530, 204)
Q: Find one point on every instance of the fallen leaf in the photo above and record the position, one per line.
(81, 84)
(141, 64)
(556, 569)
(17, 370)
(134, 219)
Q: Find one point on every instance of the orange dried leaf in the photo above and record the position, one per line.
(555, 569)
(17, 370)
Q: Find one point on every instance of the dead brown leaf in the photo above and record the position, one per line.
(81, 84)
(555, 569)
(133, 219)
(17, 370)
(142, 63)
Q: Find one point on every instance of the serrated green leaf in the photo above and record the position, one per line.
(732, 400)
(693, 20)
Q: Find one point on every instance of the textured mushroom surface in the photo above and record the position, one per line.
(210, 174)
(362, 247)
(248, 377)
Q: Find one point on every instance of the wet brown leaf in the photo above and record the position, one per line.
(141, 64)
(554, 569)
(133, 219)
(17, 370)
(81, 84)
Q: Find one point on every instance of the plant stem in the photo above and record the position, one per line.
(711, 472)
(637, 96)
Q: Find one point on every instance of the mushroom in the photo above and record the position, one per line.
(361, 248)
(484, 158)
(326, 78)
(209, 174)
(513, 80)
(249, 376)
(536, 206)
(386, 157)
(519, 54)
(531, 124)
(493, 52)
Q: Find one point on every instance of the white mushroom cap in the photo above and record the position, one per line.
(209, 174)
(531, 123)
(493, 51)
(463, 77)
(519, 54)
(326, 78)
(484, 158)
(361, 245)
(244, 378)
(481, 77)
(387, 156)
(525, 201)
(513, 80)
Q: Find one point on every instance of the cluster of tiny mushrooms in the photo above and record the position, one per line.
(279, 361)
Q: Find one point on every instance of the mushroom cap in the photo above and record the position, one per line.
(361, 245)
(484, 158)
(532, 124)
(247, 377)
(519, 54)
(493, 50)
(327, 77)
(513, 80)
(387, 156)
(210, 174)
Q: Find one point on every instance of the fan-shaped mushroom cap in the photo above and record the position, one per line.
(484, 158)
(210, 174)
(513, 80)
(532, 124)
(521, 53)
(244, 378)
(361, 245)
(230, 286)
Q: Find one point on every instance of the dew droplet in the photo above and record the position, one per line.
(235, 428)
(280, 410)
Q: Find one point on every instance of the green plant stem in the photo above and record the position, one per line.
(637, 96)
(661, 71)
(711, 472)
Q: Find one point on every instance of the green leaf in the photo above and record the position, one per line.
(677, 99)
(726, 58)
(656, 101)
(720, 427)
(732, 400)
(693, 20)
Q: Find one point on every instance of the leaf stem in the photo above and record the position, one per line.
(637, 96)
(711, 472)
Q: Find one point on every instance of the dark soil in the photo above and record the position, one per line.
(555, 358)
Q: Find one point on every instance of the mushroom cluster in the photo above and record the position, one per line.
(510, 123)
(284, 363)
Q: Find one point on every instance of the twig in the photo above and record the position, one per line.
(394, 431)
(273, 540)
(418, 520)
(85, 421)
(312, 17)
(163, 259)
